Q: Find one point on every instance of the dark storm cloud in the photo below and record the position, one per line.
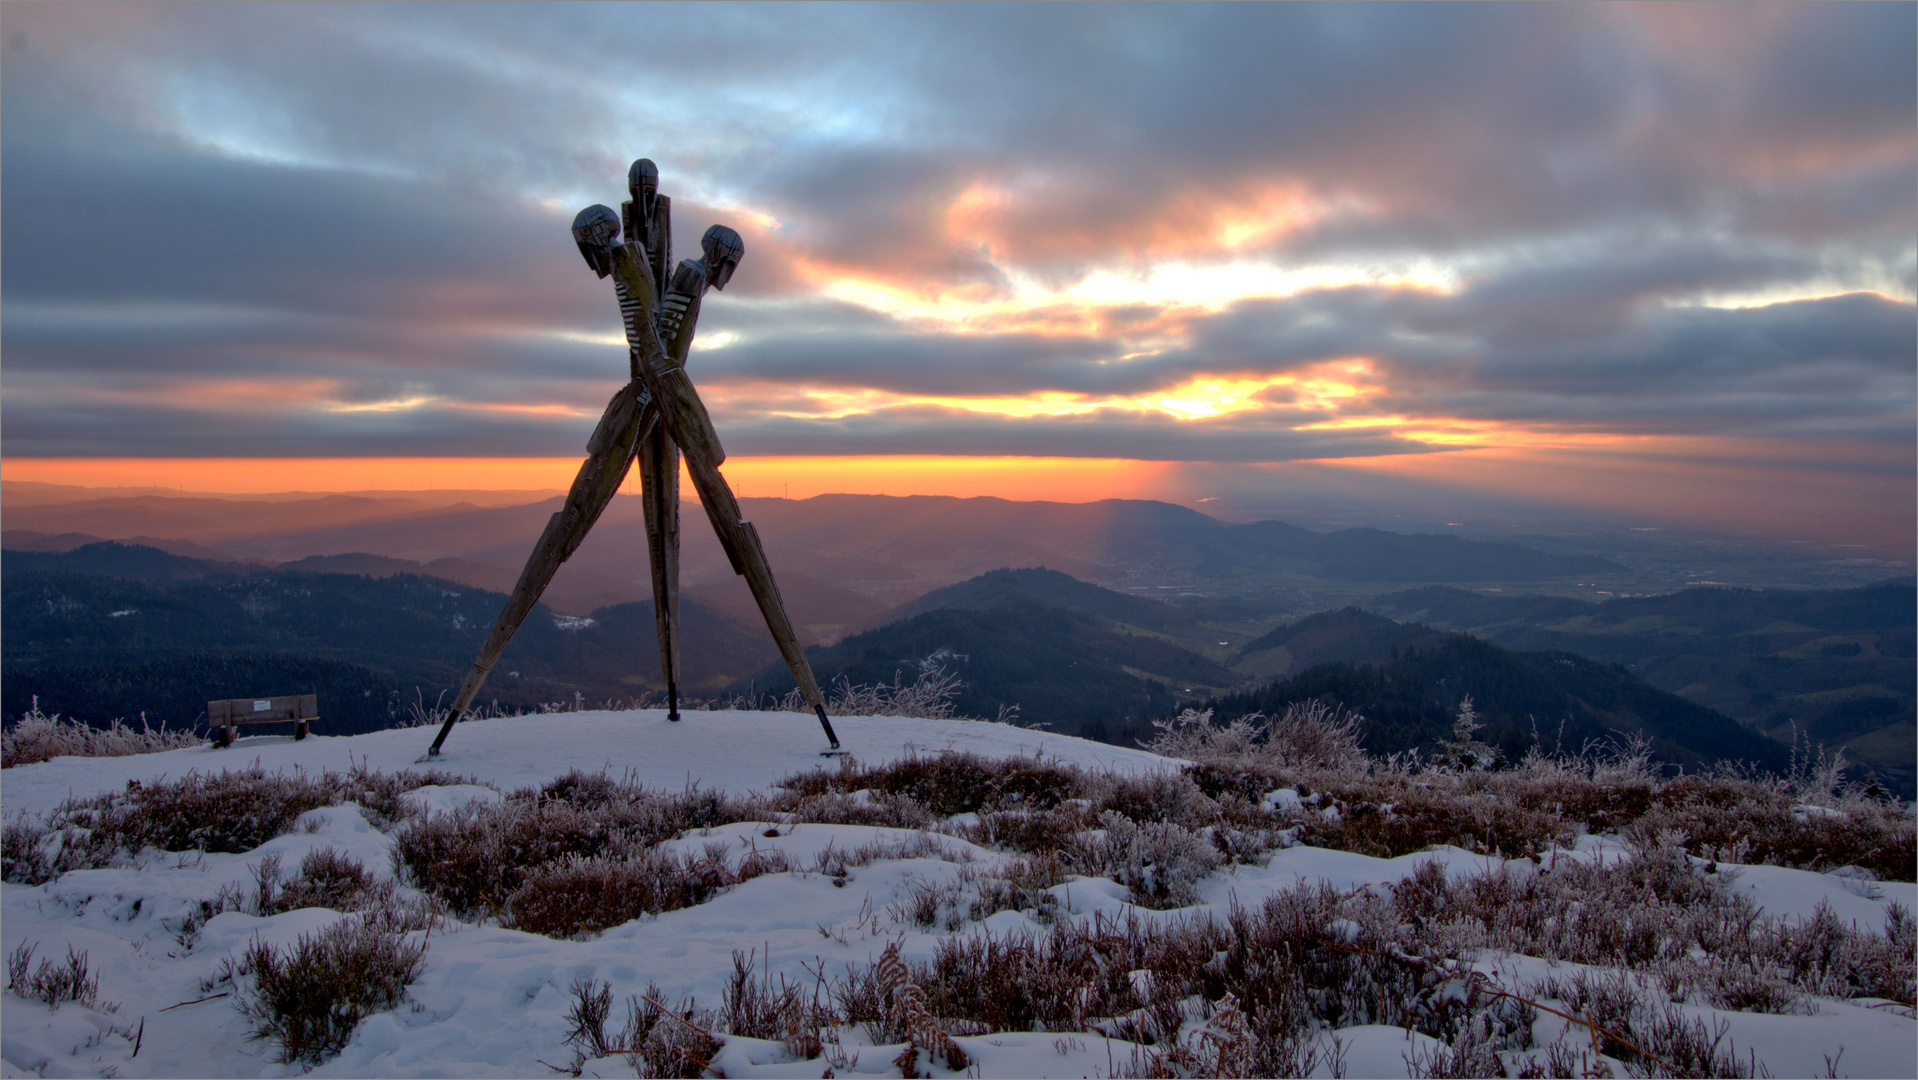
(101, 226)
(78, 425)
(1459, 123)
(374, 199)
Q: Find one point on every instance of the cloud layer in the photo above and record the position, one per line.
(1238, 233)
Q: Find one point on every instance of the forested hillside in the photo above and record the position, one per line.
(103, 648)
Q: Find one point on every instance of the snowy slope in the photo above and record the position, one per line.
(494, 1002)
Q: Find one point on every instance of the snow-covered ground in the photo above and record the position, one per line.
(494, 1002)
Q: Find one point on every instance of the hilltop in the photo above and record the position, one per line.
(1432, 921)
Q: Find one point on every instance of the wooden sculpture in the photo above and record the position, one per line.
(654, 419)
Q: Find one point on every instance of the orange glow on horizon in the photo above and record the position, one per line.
(259, 476)
(1743, 484)
(1020, 478)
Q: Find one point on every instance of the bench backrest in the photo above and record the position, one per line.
(263, 710)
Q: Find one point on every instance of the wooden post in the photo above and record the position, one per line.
(659, 486)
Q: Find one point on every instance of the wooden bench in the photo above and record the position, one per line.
(226, 716)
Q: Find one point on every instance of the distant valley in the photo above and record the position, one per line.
(888, 550)
(1145, 608)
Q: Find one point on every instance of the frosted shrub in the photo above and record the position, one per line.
(1160, 861)
(1192, 736)
(1463, 751)
(927, 697)
(40, 737)
(1308, 735)
(24, 857)
(1313, 734)
(1471, 1053)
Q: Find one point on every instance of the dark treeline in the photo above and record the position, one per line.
(174, 692)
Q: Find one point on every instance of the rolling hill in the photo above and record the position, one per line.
(1831, 665)
(887, 549)
(1086, 660)
(1407, 682)
(1065, 653)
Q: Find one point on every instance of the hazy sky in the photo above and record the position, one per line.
(1669, 247)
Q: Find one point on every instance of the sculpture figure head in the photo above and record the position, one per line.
(594, 230)
(642, 183)
(723, 249)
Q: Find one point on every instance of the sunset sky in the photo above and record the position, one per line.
(1653, 261)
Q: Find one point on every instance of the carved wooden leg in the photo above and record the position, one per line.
(609, 453)
(659, 485)
(741, 543)
(684, 417)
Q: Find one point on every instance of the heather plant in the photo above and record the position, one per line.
(1256, 991)
(947, 784)
(309, 999)
(325, 879)
(1161, 862)
(884, 809)
(655, 1040)
(676, 1042)
(25, 855)
(1250, 991)
(230, 811)
(756, 1009)
(186, 927)
(41, 736)
(581, 833)
(1809, 819)
(53, 983)
(575, 896)
(1651, 1035)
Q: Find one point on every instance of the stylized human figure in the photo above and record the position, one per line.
(651, 420)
